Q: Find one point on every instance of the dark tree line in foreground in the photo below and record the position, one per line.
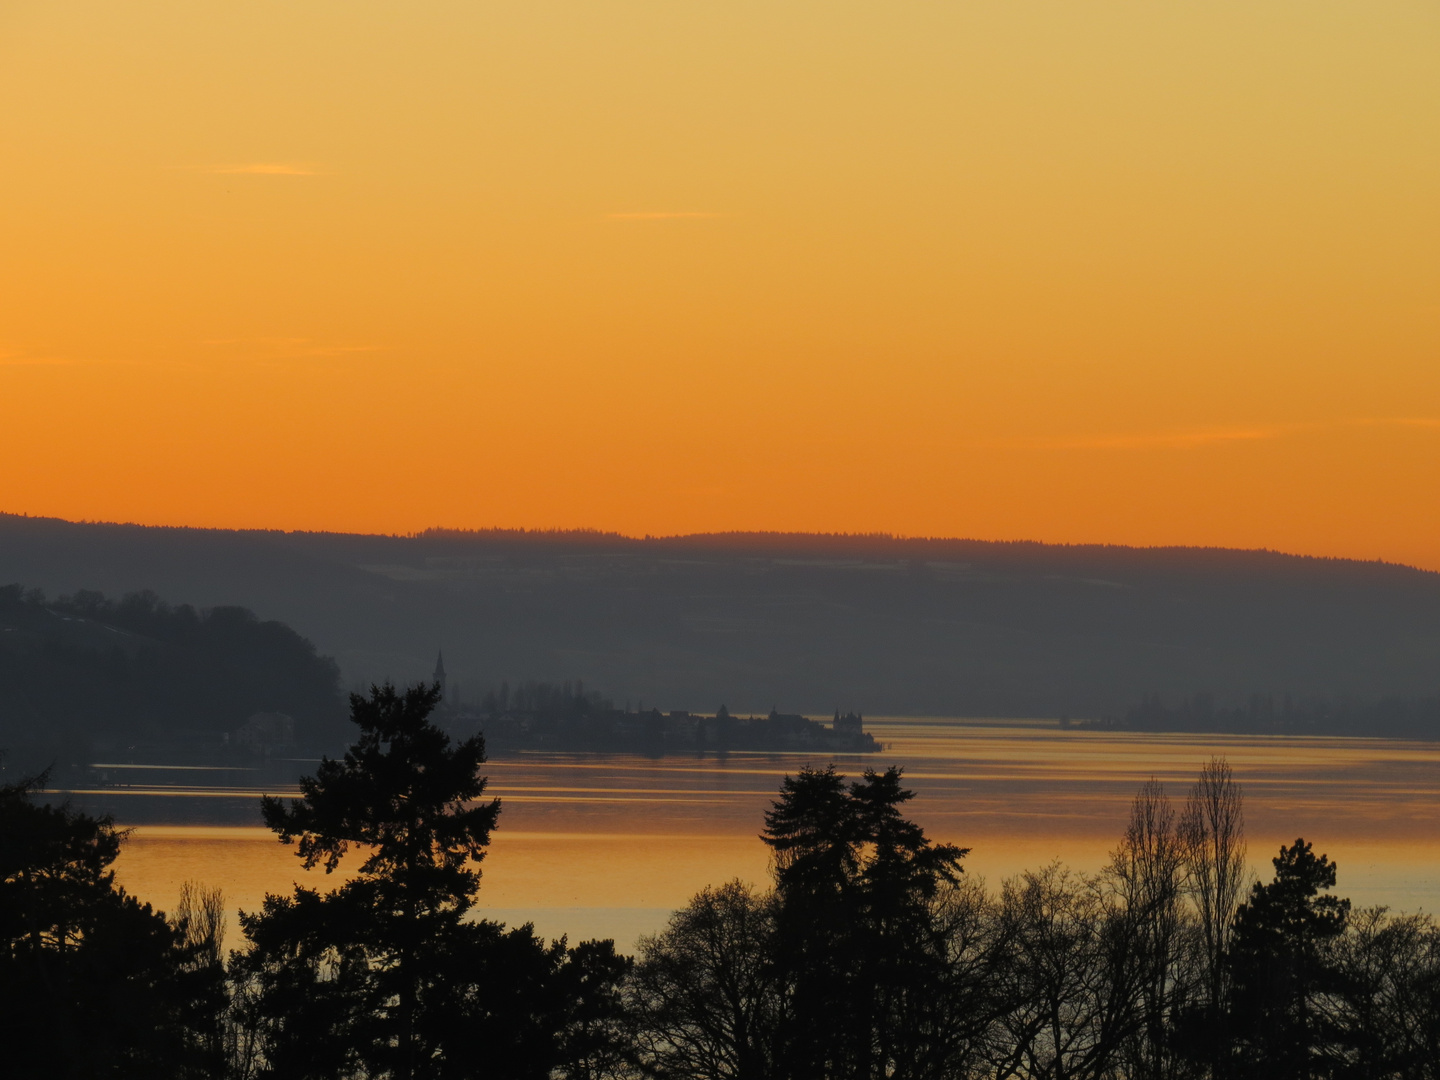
(871, 954)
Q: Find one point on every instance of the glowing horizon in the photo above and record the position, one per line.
(1097, 272)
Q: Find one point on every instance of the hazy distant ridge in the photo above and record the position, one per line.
(877, 623)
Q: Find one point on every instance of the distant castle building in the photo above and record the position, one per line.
(264, 734)
(440, 672)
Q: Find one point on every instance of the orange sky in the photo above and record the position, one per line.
(1136, 272)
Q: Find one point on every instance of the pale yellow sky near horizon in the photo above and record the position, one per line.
(1074, 271)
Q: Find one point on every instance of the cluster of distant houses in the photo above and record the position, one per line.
(674, 732)
(563, 716)
(264, 734)
(557, 720)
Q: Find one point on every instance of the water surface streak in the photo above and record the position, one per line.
(608, 845)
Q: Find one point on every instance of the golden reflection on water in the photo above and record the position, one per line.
(608, 845)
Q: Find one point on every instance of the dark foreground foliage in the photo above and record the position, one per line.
(871, 955)
(386, 975)
(93, 982)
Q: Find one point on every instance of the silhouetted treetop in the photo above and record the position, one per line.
(385, 976)
(402, 792)
(92, 981)
(825, 834)
(1283, 974)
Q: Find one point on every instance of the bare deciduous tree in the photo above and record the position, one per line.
(1212, 837)
(199, 924)
(704, 994)
(200, 919)
(1390, 1010)
(1071, 983)
(1147, 871)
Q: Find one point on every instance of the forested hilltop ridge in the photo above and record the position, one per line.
(881, 624)
(82, 675)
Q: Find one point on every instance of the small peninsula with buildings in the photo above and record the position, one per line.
(566, 717)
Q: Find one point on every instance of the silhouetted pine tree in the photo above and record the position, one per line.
(1282, 975)
(386, 976)
(92, 982)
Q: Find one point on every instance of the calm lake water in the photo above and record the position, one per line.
(607, 846)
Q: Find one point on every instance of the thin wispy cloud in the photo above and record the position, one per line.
(1187, 438)
(1398, 421)
(290, 348)
(1177, 439)
(17, 358)
(298, 351)
(1145, 440)
(660, 215)
(265, 168)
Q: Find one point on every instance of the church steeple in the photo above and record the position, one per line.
(440, 672)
